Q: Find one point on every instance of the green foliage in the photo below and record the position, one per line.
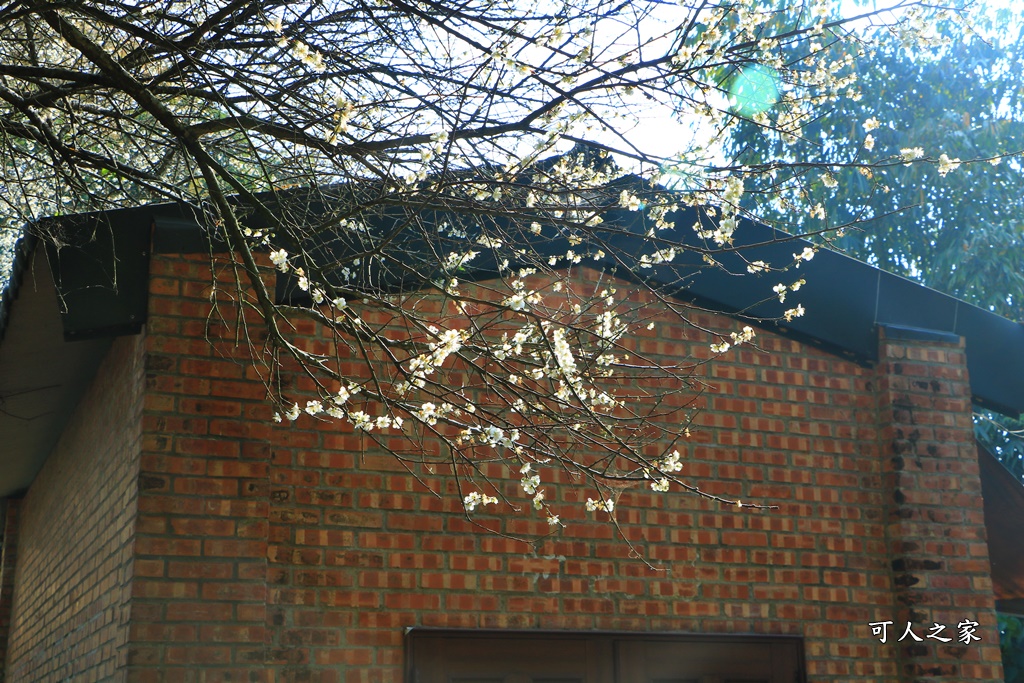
(1011, 643)
(959, 231)
(1004, 437)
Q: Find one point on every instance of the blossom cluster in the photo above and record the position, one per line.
(722, 233)
(736, 338)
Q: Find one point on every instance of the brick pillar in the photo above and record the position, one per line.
(936, 527)
(199, 592)
(8, 561)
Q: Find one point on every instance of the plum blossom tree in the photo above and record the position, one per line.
(432, 178)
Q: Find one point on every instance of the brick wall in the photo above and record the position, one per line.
(74, 567)
(301, 553)
(200, 590)
(8, 563)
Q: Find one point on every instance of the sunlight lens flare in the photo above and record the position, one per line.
(755, 89)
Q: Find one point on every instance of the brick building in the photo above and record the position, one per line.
(159, 527)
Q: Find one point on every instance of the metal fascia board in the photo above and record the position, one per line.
(101, 271)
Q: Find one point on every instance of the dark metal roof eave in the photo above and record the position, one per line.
(1003, 498)
(845, 300)
(23, 251)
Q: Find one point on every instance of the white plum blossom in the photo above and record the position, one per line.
(794, 313)
(721, 234)
(743, 336)
(490, 435)
(475, 499)
(280, 259)
(947, 165)
(733, 190)
(909, 154)
(671, 463)
(628, 200)
(427, 413)
(737, 338)
(516, 302)
(662, 256)
(456, 261)
(563, 353)
(493, 434)
(530, 480)
(606, 505)
(361, 420)
(307, 56)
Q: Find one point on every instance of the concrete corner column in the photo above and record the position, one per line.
(936, 527)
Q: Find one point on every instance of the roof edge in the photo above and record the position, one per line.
(23, 251)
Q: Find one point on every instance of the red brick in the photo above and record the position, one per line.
(258, 548)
